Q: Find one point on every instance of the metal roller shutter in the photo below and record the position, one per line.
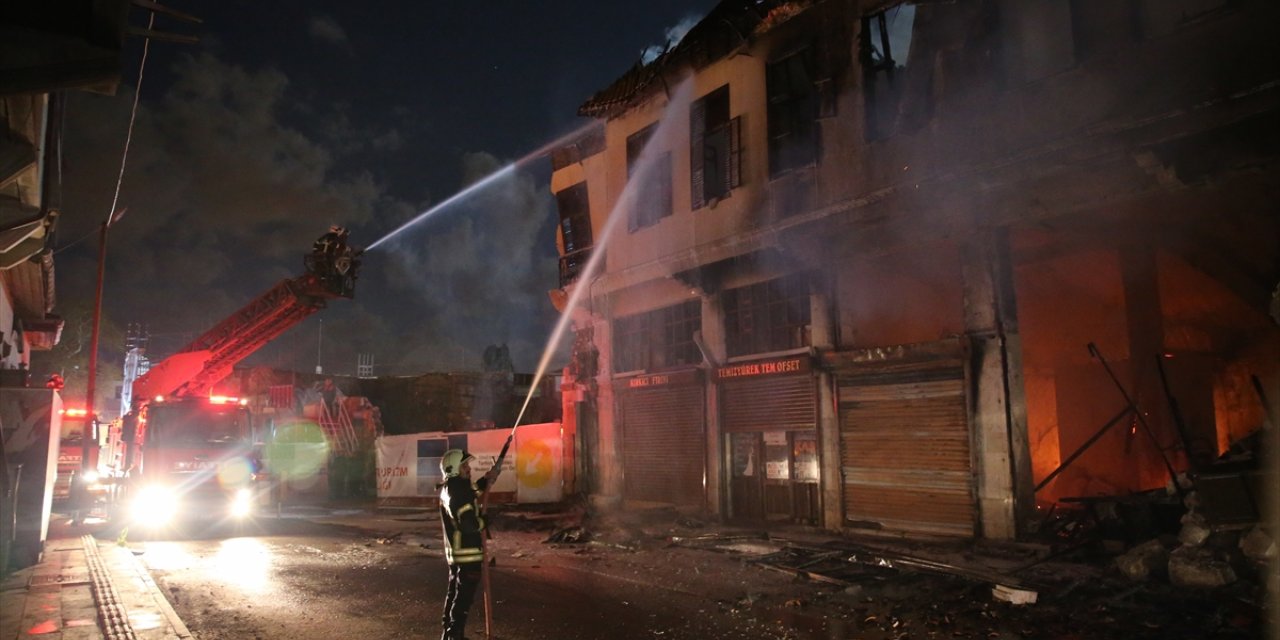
(663, 440)
(759, 404)
(904, 442)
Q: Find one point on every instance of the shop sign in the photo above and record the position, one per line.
(659, 380)
(794, 364)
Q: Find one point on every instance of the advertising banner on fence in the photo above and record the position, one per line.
(408, 466)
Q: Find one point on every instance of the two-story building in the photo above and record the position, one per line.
(871, 265)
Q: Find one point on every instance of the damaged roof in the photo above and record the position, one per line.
(728, 26)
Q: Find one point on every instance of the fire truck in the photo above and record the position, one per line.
(76, 426)
(188, 452)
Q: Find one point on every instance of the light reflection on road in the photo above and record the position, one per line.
(243, 563)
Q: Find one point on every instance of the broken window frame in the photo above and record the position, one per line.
(882, 86)
(658, 339)
(792, 111)
(715, 140)
(652, 200)
(575, 230)
(770, 316)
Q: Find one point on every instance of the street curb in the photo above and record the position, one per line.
(162, 603)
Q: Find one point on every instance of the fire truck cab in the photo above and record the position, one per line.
(196, 459)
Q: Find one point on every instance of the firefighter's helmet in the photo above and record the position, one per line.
(336, 230)
(452, 460)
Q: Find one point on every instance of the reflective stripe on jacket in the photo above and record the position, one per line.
(462, 521)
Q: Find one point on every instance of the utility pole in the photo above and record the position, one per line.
(91, 427)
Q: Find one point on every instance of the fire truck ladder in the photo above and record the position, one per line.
(194, 369)
(338, 428)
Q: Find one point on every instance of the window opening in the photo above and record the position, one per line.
(715, 153)
(575, 230)
(884, 49)
(652, 199)
(768, 316)
(792, 111)
(658, 339)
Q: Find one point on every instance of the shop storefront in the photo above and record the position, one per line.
(904, 438)
(768, 413)
(662, 420)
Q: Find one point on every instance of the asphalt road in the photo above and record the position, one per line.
(295, 579)
(365, 574)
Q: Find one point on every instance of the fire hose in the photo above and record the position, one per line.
(487, 593)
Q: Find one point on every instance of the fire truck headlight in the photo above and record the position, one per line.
(242, 503)
(90, 477)
(155, 506)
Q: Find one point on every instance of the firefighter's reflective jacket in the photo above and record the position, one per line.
(462, 520)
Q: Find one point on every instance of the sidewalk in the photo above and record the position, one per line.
(85, 589)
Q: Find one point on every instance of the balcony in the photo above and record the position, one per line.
(572, 265)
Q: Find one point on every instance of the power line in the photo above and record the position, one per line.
(112, 215)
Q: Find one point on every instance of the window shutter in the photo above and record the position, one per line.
(734, 170)
(697, 127)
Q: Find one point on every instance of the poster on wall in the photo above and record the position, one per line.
(397, 466)
(408, 466)
(539, 467)
(485, 446)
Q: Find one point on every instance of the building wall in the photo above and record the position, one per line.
(1057, 176)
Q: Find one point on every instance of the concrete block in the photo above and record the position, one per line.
(1143, 560)
(1194, 530)
(1257, 545)
(1199, 568)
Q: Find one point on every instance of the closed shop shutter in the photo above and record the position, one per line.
(663, 444)
(761, 404)
(904, 440)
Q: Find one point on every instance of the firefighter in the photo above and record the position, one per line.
(330, 243)
(464, 527)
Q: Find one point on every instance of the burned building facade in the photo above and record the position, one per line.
(872, 265)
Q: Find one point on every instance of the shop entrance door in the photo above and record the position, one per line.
(774, 476)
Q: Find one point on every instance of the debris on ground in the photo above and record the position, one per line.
(1144, 561)
(1199, 568)
(569, 535)
(1014, 595)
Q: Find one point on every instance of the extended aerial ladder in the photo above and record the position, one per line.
(208, 359)
(331, 270)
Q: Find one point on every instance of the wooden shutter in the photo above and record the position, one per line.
(734, 160)
(697, 128)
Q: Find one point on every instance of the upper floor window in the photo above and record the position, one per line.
(575, 218)
(793, 108)
(769, 316)
(658, 339)
(715, 148)
(652, 196)
(883, 49)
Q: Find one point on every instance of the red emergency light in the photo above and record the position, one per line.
(227, 400)
(73, 413)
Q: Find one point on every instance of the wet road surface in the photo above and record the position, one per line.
(296, 579)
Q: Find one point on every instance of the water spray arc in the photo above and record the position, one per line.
(482, 183)
(472, 188)
(677, 104)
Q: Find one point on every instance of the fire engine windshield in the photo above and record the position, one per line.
(197, 425)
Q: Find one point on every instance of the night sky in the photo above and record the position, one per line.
(291, 116)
